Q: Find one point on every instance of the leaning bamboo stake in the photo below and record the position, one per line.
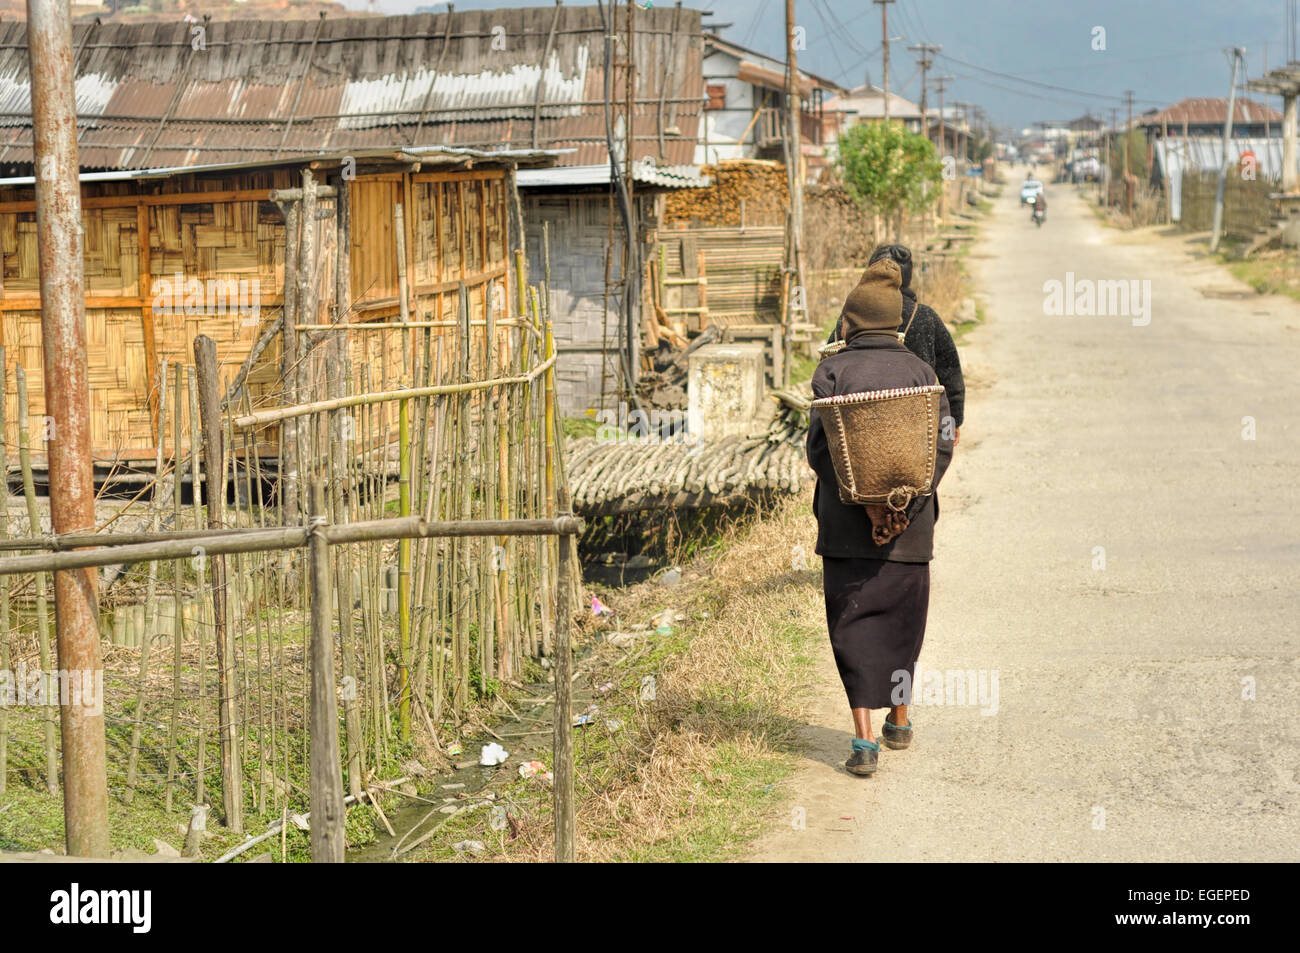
(42, 605)
(151, 597)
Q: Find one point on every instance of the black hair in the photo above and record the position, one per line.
(901, 254)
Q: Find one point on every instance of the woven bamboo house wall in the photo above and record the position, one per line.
(151, 243)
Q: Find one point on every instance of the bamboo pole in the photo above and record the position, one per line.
(178, 636)
(563, 729)
(5, 650)
(199, 562)
(232, 782)
(42, 605)
(288, 450)
(264, 417)
(151, 597)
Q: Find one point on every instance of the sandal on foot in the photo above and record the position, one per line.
(896, 736)
(863, 760)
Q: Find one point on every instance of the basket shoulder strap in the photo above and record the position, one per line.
(910, 318)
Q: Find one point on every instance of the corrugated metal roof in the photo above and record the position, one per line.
(425, 154)
(260, 89)
(647, 173)
(1203, 110)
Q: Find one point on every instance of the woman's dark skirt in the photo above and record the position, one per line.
(876, 611)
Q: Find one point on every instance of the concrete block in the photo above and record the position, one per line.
(725, 390)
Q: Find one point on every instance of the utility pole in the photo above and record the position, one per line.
(67, 409)
(940, 84)
(1128, 135)
(1109, 136)
(884, 39)
(794, 171)
(925, 61)
(1216, 231)
(962, 142)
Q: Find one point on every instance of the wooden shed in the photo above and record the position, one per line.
(170, 254)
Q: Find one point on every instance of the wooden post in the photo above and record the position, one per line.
(214, 464)
(326, 783)
(67, 406)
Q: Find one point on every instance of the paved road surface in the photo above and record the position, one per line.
(1121, 732)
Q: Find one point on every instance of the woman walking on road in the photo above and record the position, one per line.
(876, 562)
(926, 335)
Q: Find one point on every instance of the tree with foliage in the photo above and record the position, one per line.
(889, 168)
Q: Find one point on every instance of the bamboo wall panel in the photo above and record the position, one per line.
(217, 268)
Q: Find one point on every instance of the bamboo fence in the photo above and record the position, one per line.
(212, 620)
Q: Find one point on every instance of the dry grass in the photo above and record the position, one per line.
(693, 773)
(943, 287)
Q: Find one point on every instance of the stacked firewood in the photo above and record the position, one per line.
(761, 184)
(790, 422)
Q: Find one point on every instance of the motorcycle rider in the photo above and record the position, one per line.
(1040, 207)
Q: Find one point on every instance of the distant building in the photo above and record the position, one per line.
(1205, 117)
(745, 111)
(866, 103)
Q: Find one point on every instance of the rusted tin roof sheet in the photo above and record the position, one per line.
(179, 94)
(1202, 110)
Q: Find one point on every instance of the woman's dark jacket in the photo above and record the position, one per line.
(928, 338)
(871, 362)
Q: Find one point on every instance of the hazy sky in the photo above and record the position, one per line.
(1164, 50)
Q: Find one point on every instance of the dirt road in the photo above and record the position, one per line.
(1119, 557)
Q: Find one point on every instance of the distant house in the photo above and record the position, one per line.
(745, 111)
(866, 103)
(1187, 137)
(1205, 117)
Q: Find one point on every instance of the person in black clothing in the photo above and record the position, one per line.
(927, 336)
(875, 564)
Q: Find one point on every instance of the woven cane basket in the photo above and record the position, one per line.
(883, 443)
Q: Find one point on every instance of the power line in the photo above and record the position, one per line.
(1075, 100)
(753, 24)
(845, 33)
(829, 35)
(1087, 94)
(925, 33)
